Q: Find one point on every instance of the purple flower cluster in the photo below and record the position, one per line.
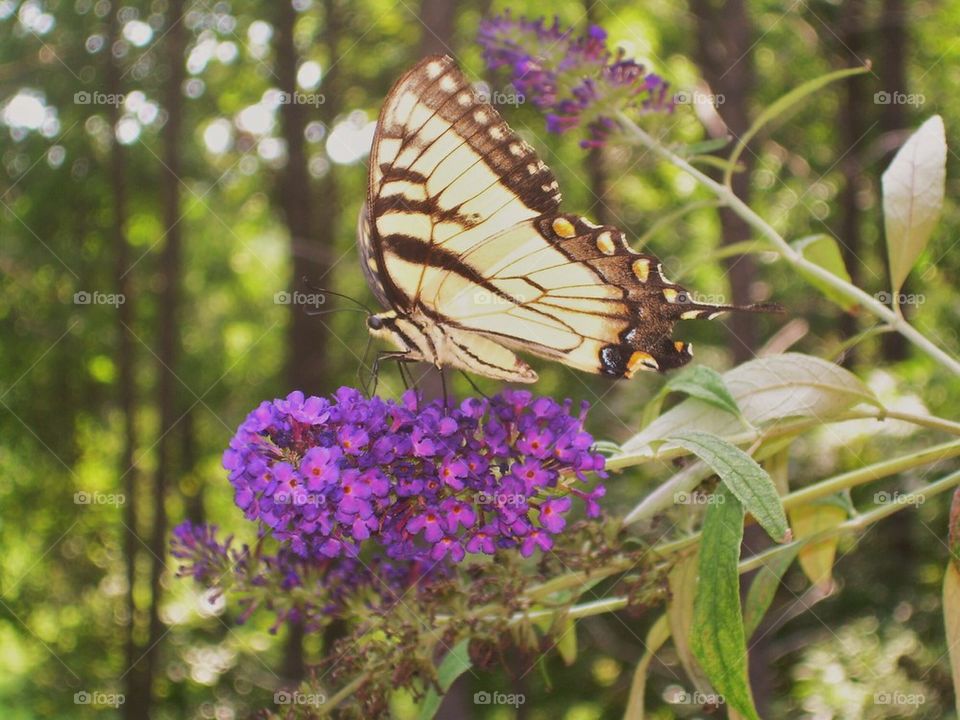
(422, 482)
(576, 80)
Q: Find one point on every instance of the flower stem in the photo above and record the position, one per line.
(788, 253)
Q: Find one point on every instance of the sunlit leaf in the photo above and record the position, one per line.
(719, 643)
(913, 189)
(656, 637)
(816, 559)
(824, 251)
(566, 630)
(749, 482)
(454, 664)
(766, 390)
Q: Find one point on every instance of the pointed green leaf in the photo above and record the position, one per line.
(707, 384)
(764, 588)
(824, 251)
(454, 664)
(719, 643)
(683, 590)
(743, 476)
(913, 188)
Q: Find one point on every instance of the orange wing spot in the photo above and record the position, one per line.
(564, 228)
(641, 361)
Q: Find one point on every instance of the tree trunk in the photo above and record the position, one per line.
(168, 350)
(892, 68)
(126, 383)
(724, 45)
(851, 130)
(310, 244)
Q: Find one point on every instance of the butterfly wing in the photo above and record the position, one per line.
(464, 227)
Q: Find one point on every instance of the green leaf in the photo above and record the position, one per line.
(824, 251)
(913, 189)
(719, 643)
(566, 632)
(766, 390)
(454, 664)
(749, 482)
(683, 591)
(656, 637)
(764, 588)
(784, 103)
(707, 384)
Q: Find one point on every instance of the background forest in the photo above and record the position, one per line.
(166, 220)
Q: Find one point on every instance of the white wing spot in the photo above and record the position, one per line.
(434, 69)
(532, 168)
(516, 149)
(464, 99)
(497, 133)
(481, 116)
(448, 84)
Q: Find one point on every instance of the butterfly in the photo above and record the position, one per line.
(462, 239)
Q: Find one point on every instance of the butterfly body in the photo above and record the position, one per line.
(462, 238)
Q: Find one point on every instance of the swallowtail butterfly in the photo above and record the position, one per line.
(463, 240)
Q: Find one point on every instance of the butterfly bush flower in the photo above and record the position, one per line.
(324, 476)
(576, 80)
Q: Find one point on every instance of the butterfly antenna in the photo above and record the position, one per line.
(327, 291)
